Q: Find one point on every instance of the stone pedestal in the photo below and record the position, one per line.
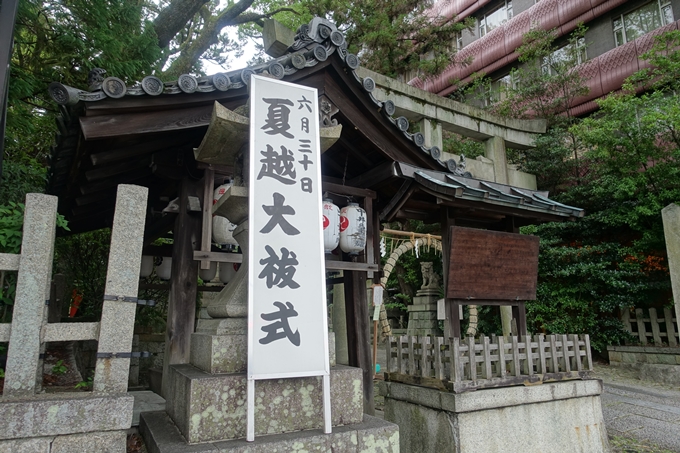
(422, 315)
(560, 417)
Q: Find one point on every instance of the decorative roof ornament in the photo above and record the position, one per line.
(314, 42)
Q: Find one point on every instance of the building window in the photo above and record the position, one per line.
(630, 26)
(564, 55)
(459, 40)
(498, 89)
(495, 18)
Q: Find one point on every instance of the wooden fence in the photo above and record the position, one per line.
(652, 329)
(460, 365)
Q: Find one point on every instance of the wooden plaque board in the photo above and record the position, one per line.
(491, 265)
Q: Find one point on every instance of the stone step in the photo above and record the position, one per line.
(212, 407)
(370, 435)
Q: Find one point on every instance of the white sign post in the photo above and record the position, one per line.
(287, 320)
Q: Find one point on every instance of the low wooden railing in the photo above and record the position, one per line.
(660, 331)
(460, 365)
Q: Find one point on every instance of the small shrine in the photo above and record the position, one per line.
(183, 139)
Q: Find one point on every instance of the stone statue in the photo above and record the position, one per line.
(431, 280)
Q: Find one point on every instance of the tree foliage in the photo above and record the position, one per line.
(614, 259)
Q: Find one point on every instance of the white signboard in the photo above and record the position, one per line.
(287, 320)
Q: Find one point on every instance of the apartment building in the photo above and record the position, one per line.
(619, 32)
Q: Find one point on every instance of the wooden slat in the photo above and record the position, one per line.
(438, 365)
(577, 353)
(541, 354)
(554, 364)
(411, 359)
(656, 333)
(400, 354)
(565, 353)
(456, 365)
(473, 358)
(426, 365)
(670, 327)
(486, 350)
(5, 329)
(9, 261)
(72, 331)
(586, 339)
(501, 357)
(529, 361)
(642, 332)
(348, 266)
(388, 354)
(516, 369)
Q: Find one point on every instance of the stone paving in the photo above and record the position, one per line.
(643, 410)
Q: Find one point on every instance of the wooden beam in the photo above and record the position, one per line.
(136, 150)
(374, 176)
(184, 282)
(348, 190)
(206, 220)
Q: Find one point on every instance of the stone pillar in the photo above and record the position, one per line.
(671, 230)
(432, 130)
(24, 375)
(495, 150)
(122, 281)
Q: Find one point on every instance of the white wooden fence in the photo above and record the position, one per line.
(651, 328)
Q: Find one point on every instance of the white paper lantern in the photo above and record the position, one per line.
(146, 268)
(164, 269)
(352, 229)
(222, 228)
(331, 226)
(227, 271)
(207, 275)
(221, 190)
(223, 231)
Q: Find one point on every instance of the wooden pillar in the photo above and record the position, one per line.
(358, 335)
(184, 281)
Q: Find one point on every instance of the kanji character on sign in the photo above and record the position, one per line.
(277, 211)
(279, 271)
(304, 102)
(277, 117)
(280, 329)
(279, 167)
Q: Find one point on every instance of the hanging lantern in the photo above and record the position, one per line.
(223, 231)
(164, 269)
(221, 190)
(227, 271)
(146, 267)
(331, 226)
(352, 229)
(222, 228)
(207, 275)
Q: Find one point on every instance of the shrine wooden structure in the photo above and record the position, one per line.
(146, 134)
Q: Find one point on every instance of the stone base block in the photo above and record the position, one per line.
(209, 408)
(371, 435)
(219, 353)
(223, 326)
(555, 417)
(66, 413)
(99, 442)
